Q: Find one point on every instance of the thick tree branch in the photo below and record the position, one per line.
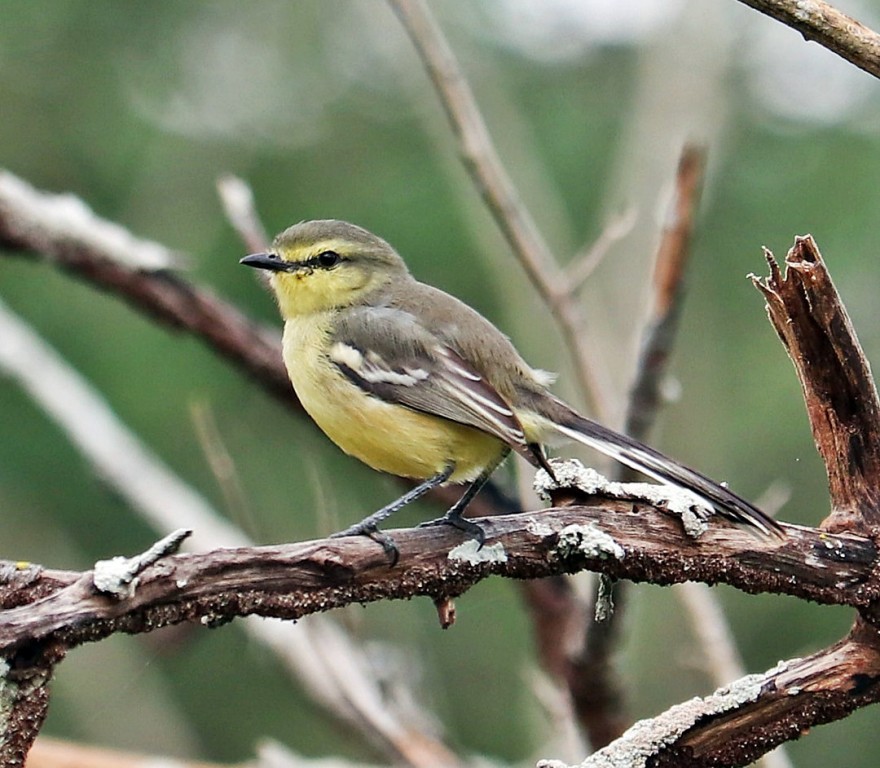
(294, 580)
(824, 24)
(291, 581)
(844, 678)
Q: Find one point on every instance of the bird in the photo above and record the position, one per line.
(416, 383)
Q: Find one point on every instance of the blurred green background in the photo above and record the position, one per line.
(323, 107)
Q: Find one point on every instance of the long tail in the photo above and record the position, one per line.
(664, 469)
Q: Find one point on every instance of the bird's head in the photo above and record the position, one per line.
(327, 264)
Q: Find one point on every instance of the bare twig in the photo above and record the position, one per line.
(669, 270)
(222, 465)
(118, 577)
(706, 615)
(593, 680)
(585, 261)
(238, 203)
(824, 24)
(716, 640)
(492, 180)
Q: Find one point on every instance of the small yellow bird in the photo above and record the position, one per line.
(415, 383)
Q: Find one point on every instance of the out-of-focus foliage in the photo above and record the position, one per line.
(323, 107)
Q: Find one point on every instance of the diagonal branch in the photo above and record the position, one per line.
(738, 723)
(63, 230)
(824, 24)
(669, 273)
(500, 194)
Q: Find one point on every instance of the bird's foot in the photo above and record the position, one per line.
(455, 520)
(372, 531)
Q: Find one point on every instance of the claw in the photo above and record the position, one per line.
(454, 519)
(372, 532)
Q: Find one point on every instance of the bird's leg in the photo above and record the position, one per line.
(454, 516)
(369, 525)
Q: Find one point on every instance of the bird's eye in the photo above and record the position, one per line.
(329, 259)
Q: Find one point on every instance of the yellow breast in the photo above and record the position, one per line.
(387, 437)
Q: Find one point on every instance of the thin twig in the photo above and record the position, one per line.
(824, 24)
(594, 682)
(670, 264)
(494, 183)
(222, 465)
(717, 641)
(585, 261)
(118, 576)
(238, 204)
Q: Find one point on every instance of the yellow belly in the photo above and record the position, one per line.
(389, 438)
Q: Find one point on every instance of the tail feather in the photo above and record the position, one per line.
(666, 470)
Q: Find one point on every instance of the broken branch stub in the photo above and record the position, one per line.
(839, 391)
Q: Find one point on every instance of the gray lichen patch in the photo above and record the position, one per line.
(588, 541)
(471, 552)
(570, 473)
(646, 738)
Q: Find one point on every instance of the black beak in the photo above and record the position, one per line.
(266, 261)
